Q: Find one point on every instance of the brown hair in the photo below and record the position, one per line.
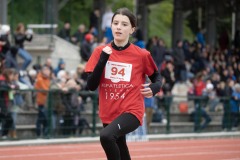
(7, 72)
(19, 26)
(128, 13)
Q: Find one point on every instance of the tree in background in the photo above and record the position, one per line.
(160, 22)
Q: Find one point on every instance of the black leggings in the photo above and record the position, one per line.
(113, 136)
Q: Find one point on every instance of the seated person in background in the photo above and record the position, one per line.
(20, 36)
(210, 93)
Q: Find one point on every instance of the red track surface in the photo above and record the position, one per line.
(200, 149)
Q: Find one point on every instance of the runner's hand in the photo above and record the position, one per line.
(146, 91)
(107, 50)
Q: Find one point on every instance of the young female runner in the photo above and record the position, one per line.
(119, 69)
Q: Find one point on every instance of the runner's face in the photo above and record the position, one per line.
(121, 28)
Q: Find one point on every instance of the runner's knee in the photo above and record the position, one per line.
(106, 137)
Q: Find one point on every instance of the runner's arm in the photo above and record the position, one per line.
(156, 80)
(94, 77)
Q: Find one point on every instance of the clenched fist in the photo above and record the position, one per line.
(107, 50)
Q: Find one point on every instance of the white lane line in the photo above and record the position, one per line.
(54, 147)
(98, 147)
(47, 147)
(231, 159)
(187, 154)
(131, 150)
(175, 155)
(46, 154)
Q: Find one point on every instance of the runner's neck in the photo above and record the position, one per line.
(119, 48)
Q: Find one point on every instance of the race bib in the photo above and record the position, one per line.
(116, 71)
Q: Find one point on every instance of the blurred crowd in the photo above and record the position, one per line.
(200, 70)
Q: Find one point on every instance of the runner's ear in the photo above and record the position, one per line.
(132, 30)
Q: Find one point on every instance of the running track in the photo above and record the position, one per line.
(198, 149)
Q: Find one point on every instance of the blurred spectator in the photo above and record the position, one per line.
(94, 18)
(161, 101)
(206, 63)
(73, 105)
(81, 79)
(215, 79)
(212, 99)
(197, 59)
(2, 58)
(20, 36)
(186, 50)
(237, 72)
(200, 37)
(42, 86)
(169, 76)
(149, 43)
(6, 79)
(17, 103)
(224, 91)
(158, 51)
(189, 74)
(65, 32)
(106, 24)
(61, 66)
(199, 104)
(179, 61)
(231, 73)
(37, 67)
(235, 102)
(11, 58)
(32, 75)
(139, 41)
(149, 108)
(87, 47)
(199, 84)
(57, 87)
(225, 74)
(94, 32)
(48, 63)
(94, 21)
(80, 123)
(4, 42)
(81, 76)
(180, 91)
(78, 36)
(29, 96)
(8, 53)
